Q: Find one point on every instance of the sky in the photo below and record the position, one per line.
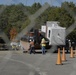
(30, 2)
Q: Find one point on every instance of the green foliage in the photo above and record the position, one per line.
(15, 16)
(35, 7)
(12, 15)
(72, 35)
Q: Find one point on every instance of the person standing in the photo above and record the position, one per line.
(32, 47)
(43, 45)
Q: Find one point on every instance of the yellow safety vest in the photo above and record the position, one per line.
(43, 43)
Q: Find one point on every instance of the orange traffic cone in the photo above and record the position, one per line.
(59, 61)
(72, 53)
(63, 55)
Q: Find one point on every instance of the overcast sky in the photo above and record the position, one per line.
(30, 2)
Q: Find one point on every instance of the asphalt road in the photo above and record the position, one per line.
(18, 63)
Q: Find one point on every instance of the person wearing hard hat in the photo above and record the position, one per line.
(43, 45)
(32, 47)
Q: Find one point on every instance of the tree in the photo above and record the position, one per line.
(15, 16)
(35, 7)
(13, 33)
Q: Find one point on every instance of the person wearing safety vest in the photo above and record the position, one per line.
(43, 45)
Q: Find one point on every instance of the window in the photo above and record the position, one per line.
(49, 34)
